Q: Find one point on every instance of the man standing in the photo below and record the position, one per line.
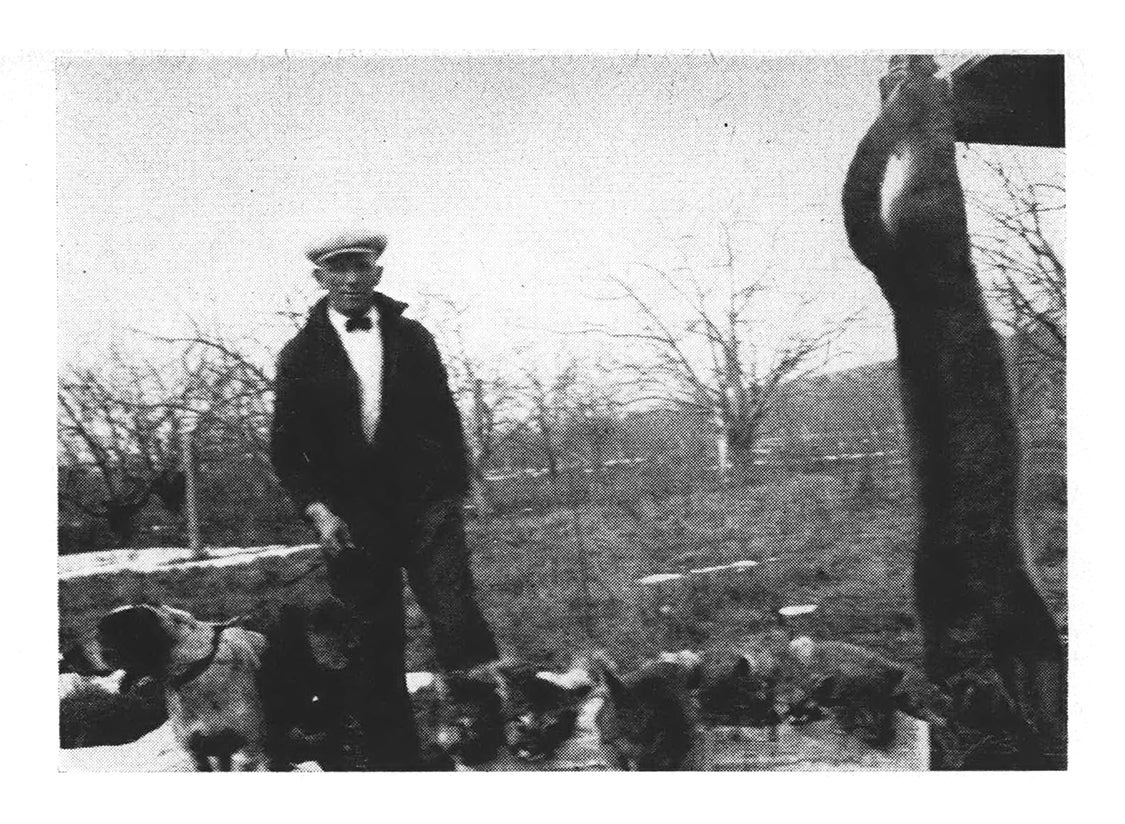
(367, 440)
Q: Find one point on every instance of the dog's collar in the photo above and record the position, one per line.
(203, 664)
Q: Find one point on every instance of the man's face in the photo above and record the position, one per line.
(350, 281)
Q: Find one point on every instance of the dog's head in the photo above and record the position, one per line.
(857, 687)
(646, 720)
(471, 725)
(541, 710)
(741, 694)
(144, 640)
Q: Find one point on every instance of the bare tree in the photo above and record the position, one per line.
(593, 431)
(713, 360)
(227, 395)
(117, 443)
(1015, 247)
(1017, 244)
(549, 396)
(120, 426)
(487, 398)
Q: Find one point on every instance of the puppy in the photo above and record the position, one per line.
(207, 671)
(859, 687)
(94, 712)
(648, 721)
(745, 693)
(470, 717)
(542, 710)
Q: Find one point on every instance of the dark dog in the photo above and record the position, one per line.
(307, 690)
(512, 715)
(303, 698)
(471, 717)
(745, 692)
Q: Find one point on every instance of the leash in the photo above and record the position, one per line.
(203, 664)
(300, 576)
(320, 564)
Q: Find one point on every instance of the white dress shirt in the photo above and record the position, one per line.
(365, 351)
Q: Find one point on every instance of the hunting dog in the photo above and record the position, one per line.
(208, 672)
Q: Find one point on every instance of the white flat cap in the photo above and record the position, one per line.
(348, 243)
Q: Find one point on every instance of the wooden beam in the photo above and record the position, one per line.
(1010, 99)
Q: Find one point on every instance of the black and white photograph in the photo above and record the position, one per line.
(523, 411)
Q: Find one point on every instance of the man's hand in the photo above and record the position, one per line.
(334, 534)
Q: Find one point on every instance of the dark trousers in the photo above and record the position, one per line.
(433, 551)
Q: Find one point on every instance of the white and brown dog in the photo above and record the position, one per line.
(208, 671)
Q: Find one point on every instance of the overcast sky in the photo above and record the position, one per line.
(189, 188)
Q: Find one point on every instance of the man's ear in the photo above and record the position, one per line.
(133, 679)
(321, 277)
(377, 274)
(441, 686)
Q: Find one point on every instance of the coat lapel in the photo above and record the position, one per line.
(389, 312)
(333, 372)
(336, 367)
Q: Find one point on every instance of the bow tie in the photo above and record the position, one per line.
(362, 324)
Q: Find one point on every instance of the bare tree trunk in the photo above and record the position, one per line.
(191, 495)
(480, 497)
(742, 471)
(722, 444)
(480, 457)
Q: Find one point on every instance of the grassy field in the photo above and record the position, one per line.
(556, 582)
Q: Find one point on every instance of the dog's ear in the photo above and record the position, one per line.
(552, 689)
(85, 658)
(578, 693)
(742, 667)
(893, 677)
(135, 639)
(823, 690)
(617, 690)
(694, 678)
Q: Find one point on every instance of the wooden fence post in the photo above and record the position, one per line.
(191, 495)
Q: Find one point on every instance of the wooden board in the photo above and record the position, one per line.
(818, 747)
(1011, 99)
(814, 747)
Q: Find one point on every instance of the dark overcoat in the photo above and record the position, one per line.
(318, 448)
(400, 496)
